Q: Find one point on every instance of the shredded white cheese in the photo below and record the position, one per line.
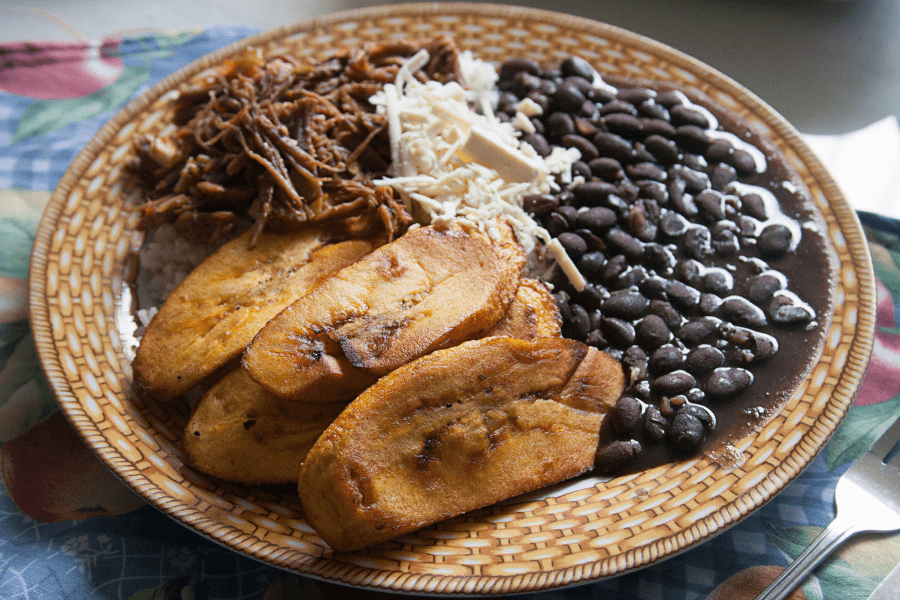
(451, 164)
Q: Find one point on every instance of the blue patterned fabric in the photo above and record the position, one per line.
(144, 554)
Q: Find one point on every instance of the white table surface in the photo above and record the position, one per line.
(828, 66)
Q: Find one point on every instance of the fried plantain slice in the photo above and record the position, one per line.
(211, 317)
(242, 433)
(429, 289)
(456, 430)
(532, 313)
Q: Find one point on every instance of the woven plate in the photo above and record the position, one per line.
(84, 256)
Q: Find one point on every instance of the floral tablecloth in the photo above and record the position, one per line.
(70, 529)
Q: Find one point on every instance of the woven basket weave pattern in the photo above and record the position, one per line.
(84, 260)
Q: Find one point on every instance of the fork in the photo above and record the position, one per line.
(867, 498)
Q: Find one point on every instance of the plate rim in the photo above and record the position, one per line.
(324, 568)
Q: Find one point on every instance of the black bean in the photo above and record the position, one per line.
(664, 150)
(583, 145)
(741, 311)
(697, 331)
(524, 83)
(593, 193)
(659, 258)
(737, 336)
(601, 95)
(562, 304)
(654, 425)
(694, 181)
(709, 303)
(625, 125)
(596, 339)
(579, 322)
(558, 125)
(651, 332)
(614, 267)
(569, 97)
(634, 359)
(634, 95)
(547, 88)
(555, 224)
(607, 169)
(742, 162)
(596, 219)
(574, 245)
(727, 382)
(540, 205)
(682, 295)
(617, 332)
(689, 271)
(653, 190)
(615, 456)
(625, 305)
(694, 161)
(645, 170)
(583, 85)
(717, 281)
(591, 264)
(575, 66)
(580, 169)
(507, 102)
(591, 297)
(657, 127)
(762, 287)
(654, 288)
(725, 243)
(784, 311)
(669, 98)
(686, 433)
(711, 205)
(650, 108)
(514, 65)
(569, 213)
(673, 224)
(675, 193)
(674, 383)
(703, 359)
(626, 244)
(666, 359)
(683, 115)
(668, 313)
(702, 413)
(632, 277)
(763, 346)
(692, 138)
(641, 154)
(747, 226)
(613, 146)
(721, 176)
(754, 206)
(774, 241)
(539, 143)
(719, 151)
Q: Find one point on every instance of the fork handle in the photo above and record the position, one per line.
(827, 542)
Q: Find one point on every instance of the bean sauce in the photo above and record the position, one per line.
(709, 273)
